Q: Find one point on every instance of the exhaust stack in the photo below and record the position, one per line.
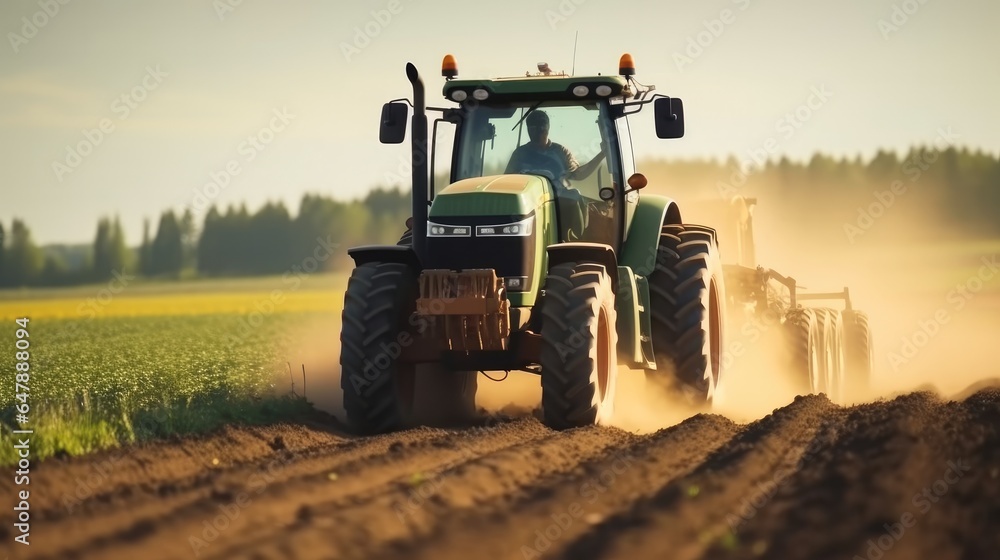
(419, 163)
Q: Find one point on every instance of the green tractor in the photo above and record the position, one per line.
(528, 259)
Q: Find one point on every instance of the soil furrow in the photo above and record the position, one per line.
(555, 512)
(690, 514)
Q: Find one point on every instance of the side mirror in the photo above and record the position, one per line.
(392, 128)
(669, 116)
(636, 181)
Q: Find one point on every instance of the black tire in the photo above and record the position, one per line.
(579, 356)
(802, 336)
(407, 238)
(831, 353)
(687, 294)
(378, 389)
(858, 354)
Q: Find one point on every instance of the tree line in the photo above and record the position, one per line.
(964, 185)
(232, 241)
(957, 187)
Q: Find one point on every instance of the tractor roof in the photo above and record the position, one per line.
(536, 88)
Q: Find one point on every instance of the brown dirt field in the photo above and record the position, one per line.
(917, 476)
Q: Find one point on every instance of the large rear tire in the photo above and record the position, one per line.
(858, 354)
(687, 295)
(579, 356)
(378, 389)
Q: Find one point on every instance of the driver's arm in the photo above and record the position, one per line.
(580, 172)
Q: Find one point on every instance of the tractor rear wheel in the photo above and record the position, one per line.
(378, 389)
(802, 335)
(687, 296)
(579, 356)
(858, 355)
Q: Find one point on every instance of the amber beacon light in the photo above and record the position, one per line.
(626, 67)
(449, 68)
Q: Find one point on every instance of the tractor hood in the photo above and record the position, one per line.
(496, 195)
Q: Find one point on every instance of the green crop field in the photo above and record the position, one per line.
(156, 360)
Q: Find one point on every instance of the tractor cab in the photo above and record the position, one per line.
(534, 161)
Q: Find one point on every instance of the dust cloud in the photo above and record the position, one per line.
(931, 291)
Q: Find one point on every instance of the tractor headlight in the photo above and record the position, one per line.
(443, 230)
(516, 229)
(515, 283)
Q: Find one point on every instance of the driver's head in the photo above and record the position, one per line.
(538, 127)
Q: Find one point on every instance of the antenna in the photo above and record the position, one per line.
(575, 41)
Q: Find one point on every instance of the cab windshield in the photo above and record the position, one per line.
(563, 143)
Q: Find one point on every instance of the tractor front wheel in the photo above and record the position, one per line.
(378, 388)
(579, 346)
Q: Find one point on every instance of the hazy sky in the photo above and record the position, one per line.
(200, 77)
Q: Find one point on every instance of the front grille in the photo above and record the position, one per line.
(508, 256)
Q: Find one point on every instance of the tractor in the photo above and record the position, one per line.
(535, 253)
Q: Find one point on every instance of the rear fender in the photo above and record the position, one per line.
(651, 214)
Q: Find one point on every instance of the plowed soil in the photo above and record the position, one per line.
(917, 476)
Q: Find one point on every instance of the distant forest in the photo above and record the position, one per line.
(963, 184)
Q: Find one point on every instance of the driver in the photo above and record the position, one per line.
(540, 152)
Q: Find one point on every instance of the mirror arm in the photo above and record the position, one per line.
(640, 103)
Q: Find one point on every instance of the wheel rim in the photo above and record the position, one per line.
(715, 334)
(603, 353)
